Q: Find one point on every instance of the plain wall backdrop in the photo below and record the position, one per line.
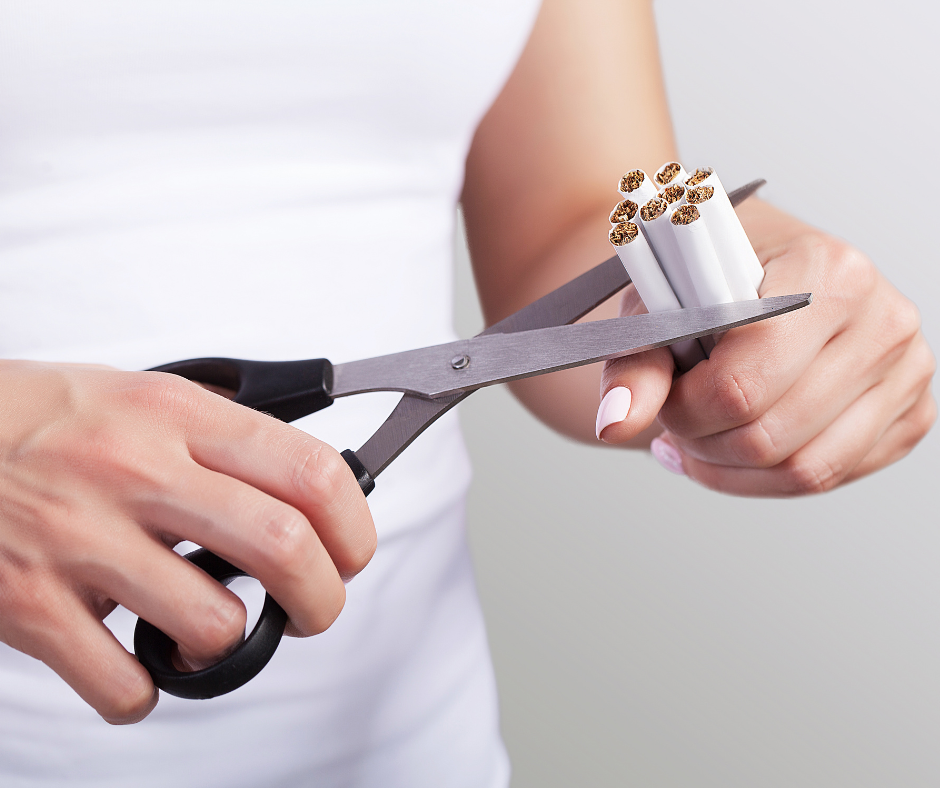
(648, 632)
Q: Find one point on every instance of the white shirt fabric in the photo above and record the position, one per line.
(261, 180)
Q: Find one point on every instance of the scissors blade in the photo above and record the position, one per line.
(464, 365)
(562, 306)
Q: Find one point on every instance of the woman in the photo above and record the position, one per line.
(279, 182)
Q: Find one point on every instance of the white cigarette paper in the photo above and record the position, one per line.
(655, 218)
(701, 261)
(737, 275)
(637, 186)
(731, 242)
(670, 172)
(650, 282)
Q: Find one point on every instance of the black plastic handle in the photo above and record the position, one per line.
(155, 649)
(285, 389)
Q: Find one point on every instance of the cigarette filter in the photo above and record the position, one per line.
(650, 282)
(728, 236)
(670, 172)
(637, 186)
(623, 212)
(738, 277)
(655, 219)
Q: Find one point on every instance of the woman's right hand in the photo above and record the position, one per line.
(102, 472)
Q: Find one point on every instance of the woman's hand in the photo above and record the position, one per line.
(794, 405)
(102, 472)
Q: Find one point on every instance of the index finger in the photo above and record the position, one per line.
(754, 365)
(283, 462)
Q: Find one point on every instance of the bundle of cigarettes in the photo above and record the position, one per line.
(681, 241)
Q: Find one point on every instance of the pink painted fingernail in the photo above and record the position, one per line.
(667, 455)
(613, 408)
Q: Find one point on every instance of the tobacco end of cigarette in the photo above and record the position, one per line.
(698, 176)
(632, 181)
(653, 209)
(623, 233)
(672, 194)
(684, 214)
(699, 194)
(624, 212)
(668, 172)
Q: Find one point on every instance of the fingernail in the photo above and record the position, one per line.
(613, 408)
(667, 455)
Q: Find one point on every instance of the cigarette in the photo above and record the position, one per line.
(637, 186)
(655, 218)
(671, 172)
(737, 275)
(624, 212)
(673, 195)
(701, 260)
(698, 177)
(731, 242)
(637, 257)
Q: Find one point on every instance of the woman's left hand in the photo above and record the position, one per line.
(794, 405)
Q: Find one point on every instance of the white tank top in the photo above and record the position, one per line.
(262, 180)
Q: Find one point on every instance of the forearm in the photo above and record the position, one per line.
(567, 401)
(585, 102)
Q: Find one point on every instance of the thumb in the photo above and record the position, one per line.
(633, 389)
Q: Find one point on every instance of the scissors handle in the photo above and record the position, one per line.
(287, 390)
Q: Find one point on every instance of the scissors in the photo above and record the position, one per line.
(537, 339)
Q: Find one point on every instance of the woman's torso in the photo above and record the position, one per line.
(262, 180)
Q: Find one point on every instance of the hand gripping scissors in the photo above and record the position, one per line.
(535, 340)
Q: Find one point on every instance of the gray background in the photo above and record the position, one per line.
(648, 632)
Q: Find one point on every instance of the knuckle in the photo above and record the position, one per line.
(924, 362)
(921, 417)
(167, 399)
(929, 364)
(106, 452)
(739, 395)
(809, 475)
(161, 391)
(222, 625)
(849, 271)
(901, 322)
(318, 472)
(756, 446)
(283, 534)
(928, 418)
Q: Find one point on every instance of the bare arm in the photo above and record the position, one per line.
(585, 103)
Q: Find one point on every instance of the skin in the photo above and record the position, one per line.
(103, 471)
(790, 406)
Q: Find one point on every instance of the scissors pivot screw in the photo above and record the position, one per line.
(460, 362)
